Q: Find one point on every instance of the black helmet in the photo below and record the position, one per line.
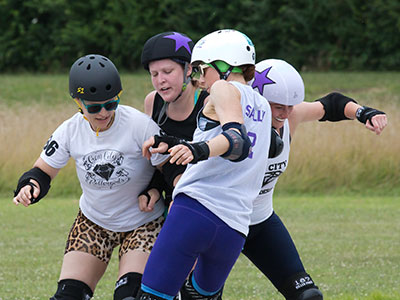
(94, 78)
(170, 44)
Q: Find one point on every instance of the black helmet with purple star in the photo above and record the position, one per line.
(174, 45)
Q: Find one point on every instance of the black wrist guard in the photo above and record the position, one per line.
(171, 141)
(334, 104)
(41, 177)
(156, 182)
(276, 145)
(365, 113)
(170, 171)
(200, 151)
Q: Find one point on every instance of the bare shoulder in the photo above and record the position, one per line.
(148, 103)
(222, 88)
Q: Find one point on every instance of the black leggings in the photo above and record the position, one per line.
(271, 249)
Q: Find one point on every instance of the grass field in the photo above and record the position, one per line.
(350, 246)
(347, 231)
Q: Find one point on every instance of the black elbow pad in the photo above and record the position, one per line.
(334, 104)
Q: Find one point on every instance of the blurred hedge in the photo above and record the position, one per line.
(48, 35)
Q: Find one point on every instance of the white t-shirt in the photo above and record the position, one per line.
(110, 166)
(262, 207)
(228, 188)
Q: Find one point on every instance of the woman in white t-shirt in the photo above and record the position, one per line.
(105, 140)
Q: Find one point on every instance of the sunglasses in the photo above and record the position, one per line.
(96, 108)
(200, 70)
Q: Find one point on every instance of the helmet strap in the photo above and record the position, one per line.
(80, 109)
(162, 117)
(186, 80)
(222, 75)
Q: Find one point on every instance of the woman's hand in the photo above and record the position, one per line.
(379, 123)
(147, 152)
(26, 193)
(180, 155)
(147, 202)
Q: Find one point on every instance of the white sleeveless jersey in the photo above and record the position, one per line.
(228, 188)
(110, 167)
(262, 207)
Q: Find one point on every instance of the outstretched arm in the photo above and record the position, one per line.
(336, 107)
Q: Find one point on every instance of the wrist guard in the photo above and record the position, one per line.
(156, 182)
(334, 104)
(365, 113)
(41, 177)
(170, 171)
(200, 151)
(168, 139)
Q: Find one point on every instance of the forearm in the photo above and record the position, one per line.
(218, 145)
(350, 110)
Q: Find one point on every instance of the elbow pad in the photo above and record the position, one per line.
(276, 145)
(41, 177)
(239, 142)
(334, 104)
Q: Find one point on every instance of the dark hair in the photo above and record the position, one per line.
(248, 72)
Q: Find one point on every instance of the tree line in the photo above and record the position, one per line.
(48, 35)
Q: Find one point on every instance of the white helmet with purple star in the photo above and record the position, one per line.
(278, 82)
(228, 45)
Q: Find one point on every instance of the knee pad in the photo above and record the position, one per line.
(71, 289)
(300, 287)
(188, 292)
(311, 294)
(127, 287)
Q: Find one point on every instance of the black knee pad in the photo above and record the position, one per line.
(127, 287)
(188, 292)
(71, 289)
(311, 294)
(300, 287)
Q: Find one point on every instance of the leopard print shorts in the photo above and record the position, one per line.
(91, 238)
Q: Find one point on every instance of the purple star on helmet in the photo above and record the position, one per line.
(180, 40)
(261, 79)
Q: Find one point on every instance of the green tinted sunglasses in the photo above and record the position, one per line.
(96, 108)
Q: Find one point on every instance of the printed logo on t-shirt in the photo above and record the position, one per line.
(274, 171)
(103, 169)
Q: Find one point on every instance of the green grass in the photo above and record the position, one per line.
(350, 246)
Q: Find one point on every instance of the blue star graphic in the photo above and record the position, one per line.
(261, 79)
(181, 41)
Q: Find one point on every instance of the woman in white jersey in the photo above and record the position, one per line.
(209, 217)
(268, 244)
(105, 140)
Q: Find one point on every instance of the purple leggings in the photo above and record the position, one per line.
(191, 232)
